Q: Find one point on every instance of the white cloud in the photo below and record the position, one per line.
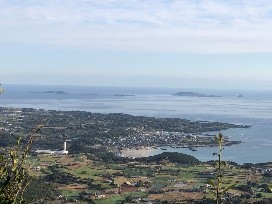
(161, 25)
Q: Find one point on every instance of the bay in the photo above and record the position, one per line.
(254, 108)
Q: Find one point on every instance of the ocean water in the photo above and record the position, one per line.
(254, 108)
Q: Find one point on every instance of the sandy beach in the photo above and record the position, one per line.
(139, 152)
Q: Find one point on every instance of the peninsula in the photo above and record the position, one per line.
(114, 130)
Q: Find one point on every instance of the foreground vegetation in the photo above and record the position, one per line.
(165, 178)
(93, 173)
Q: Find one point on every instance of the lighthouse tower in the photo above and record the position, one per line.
(65, 148)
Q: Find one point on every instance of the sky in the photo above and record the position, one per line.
(140, 43)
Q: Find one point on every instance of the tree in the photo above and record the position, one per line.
(218, 181)
(13, 179)
(39, 191)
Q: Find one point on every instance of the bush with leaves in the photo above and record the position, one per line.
(12, 176)
(13, 179)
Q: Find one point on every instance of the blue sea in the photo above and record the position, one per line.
(254, 108)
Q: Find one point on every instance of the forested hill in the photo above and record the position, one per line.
(173, 157)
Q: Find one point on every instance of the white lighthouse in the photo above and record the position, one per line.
(64, 148)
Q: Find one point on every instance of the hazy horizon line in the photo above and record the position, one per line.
(136, 87)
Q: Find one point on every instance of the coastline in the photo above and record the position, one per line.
(135, 141)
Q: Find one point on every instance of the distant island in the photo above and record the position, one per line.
(123, 95)
(52, 92)
(119, 95)
(193, 94)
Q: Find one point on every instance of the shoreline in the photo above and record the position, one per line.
(143, 151)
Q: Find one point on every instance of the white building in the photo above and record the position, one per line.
(47, 151)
